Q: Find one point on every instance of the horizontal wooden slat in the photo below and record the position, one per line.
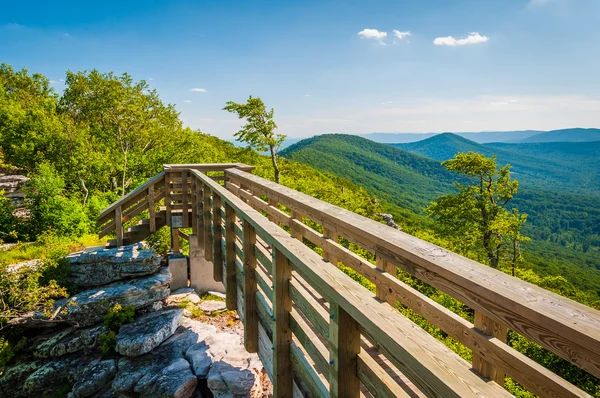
(310, 342)
(306, 372)
(377, 380)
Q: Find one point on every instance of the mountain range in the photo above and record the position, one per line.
(483, 137)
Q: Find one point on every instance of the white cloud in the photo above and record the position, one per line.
(198, 90)
(473, 38)
(150, 79)
(372, 34)
(187, 101)
(53, 82)
(61, 80)
(387, 102)
(401, 35)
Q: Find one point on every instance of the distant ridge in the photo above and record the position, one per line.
(565, 135)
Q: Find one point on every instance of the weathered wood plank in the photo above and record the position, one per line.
(216, 231)
(119, 225)
(307, 374)
(151, 211)
(344, 346)
(383, 291)
(207, 221)
(230, 280)
(311, 309)
(480, 365)
(282, 335)
(250, 289)
(168, 198)
(378, 381)
(184, 197)
(108, 211)
(310, 342)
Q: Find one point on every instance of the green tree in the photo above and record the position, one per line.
(127, 122)
(259, 130)
(477, 216)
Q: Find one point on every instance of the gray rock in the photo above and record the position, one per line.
(211, 306)
(96, 376)
(69, 341)
(232, 371)
(54, 377)
(147, 332)
(186, 294)
(12, 380)
(200, 359)
(136, 373)
(90, 306)
(101, 266)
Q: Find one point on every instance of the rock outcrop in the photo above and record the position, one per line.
(89, 306)
(12, 184)
(147, 332)
(161, 354)
(102, 266)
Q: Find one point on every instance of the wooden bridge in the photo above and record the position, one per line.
(319, 332)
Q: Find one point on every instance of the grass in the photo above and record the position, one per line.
(25, 251)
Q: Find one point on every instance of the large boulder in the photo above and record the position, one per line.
(11, 382)
(11, 185)
(100, 266)
(95, 378)
(229, 369)
(69, 341)
(162, 372)
(88, 307)
(147, 332)
(56, 377)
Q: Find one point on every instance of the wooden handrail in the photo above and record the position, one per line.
(428, 363)
(563, 326)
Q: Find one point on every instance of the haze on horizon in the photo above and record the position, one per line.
(329, 66)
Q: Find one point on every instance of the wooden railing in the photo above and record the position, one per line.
(319, 332)
(148, 195)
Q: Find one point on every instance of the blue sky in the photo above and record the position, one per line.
(332, 66)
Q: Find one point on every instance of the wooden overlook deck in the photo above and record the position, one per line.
(319, 332)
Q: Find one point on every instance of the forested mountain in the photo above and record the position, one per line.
(551, 167)
(566, 135)
(398, 176)
(566, 226)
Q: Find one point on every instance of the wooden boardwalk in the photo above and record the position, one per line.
(319, 332)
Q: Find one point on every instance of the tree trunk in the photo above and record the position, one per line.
(124, 173)
(85, 190)
(275, 166)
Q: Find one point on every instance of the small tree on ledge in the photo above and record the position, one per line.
(259, 130)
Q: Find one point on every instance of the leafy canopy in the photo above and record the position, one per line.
(477, 217)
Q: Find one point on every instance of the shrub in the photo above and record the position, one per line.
(8, 222)
(50, 209)
(108, 342)
(115, 317)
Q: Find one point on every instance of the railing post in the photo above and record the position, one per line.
(491, 328)
(168, 197)
(282, 335)
(207, 224)
(250, 289)
(216, 232)
(382, 292)
(151, 211)
(344, 347)
(184, 200)
(295, 233)
(194, 206)
(119, 225)
(327, 255)
(272, 202)
(230, 282)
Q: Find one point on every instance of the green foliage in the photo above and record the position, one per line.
(6, 353)
(9, 224)
(51, 209)
(119, 315)
(477, 216)
(259, 130)
(108, 341)
(115, 317)
(25, 289)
